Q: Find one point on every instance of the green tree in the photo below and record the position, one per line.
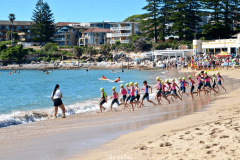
(150, 21)
(134, 18)
(11, 18)
(43, 25)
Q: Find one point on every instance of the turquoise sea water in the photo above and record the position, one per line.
(31, 90)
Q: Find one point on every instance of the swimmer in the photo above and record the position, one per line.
(103, 99)
(219, 82)
(146, 95)
(207, 83)
(123, 92)
(115, 97)
(103, 77)
(117, 80)
(128, 92)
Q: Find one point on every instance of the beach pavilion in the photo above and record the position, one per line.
(217, 46)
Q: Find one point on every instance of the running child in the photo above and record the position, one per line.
(191, 85)
(137, 94)
(219, 82)
(123, 92)
(146, 95)
(163, 86)
(115, 97)
(158, 87)
(103, 99)
(174, 90)
(132, 93)
(183, 85)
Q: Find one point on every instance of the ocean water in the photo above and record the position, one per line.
(25, 94)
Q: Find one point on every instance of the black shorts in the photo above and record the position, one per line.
(192, 88)
(137, 97)
(200, 86)
(174, 92)
(146, 96)
(128, 98)
(159, 93)
(214, 85)
(167, 92)
(102, 102)
(124, 97)
(132, 98)
(57, 102)
(115, 101)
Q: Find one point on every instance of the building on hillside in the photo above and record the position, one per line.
(65, 36)
(231, 46)
(95, 36)
(122, 30)
(6, 26)
(24, 35)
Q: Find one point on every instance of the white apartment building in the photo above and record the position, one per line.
(122, 30)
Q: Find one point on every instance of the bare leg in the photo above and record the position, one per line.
(63, 110)
(55, 111)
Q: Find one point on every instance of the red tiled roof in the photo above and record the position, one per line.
(97, 30)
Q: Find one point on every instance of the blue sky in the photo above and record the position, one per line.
(75, 10)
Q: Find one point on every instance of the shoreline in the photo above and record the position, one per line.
(161, 141)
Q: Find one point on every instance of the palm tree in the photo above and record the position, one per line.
(11, 18)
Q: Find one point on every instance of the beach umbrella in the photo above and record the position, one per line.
(223, 54)
(137, 59)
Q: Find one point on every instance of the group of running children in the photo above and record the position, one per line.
(165, 90)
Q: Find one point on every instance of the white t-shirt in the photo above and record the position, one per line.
(57, 94)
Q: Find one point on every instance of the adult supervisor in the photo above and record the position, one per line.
(56, 98)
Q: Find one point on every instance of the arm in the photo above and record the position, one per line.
(52, 98)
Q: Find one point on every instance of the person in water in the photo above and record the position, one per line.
(117, 80)
(146, 95)
(174, 90)
(191, 85)
(57, 101)
(103, 99)
(103, 77)
(115, 97)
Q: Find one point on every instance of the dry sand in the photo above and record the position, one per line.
(210, 134)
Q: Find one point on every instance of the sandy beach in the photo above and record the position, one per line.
(209, 134)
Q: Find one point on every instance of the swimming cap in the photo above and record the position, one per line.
(167, 80)
(101, 89)
(162, 81)
(183, 78)
(131, 83)
(199, 74)
(214, 75)
(173, 80)
(127, 84)
(189, 76)
(180, 78)
(205, 72)
(114, 88)
(158, 78)
(218, 72)
(136, 84)
(121, 85)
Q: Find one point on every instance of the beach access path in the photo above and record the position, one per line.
(211, 134)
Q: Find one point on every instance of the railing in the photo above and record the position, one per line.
(120, 28)
(59, 39)
(61, 33)
(118, 34)
(122, 41)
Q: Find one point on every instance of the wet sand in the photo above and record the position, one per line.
(82, 133)
(212, 133)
